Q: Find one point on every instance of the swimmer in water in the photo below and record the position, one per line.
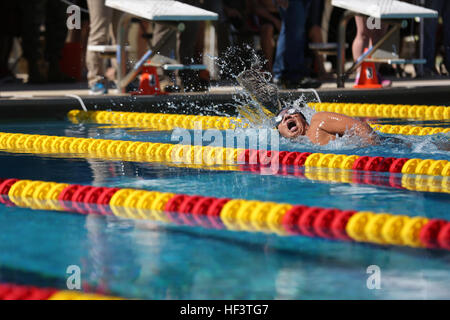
(291, 123)
(323, 127)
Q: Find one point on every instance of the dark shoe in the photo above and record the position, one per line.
(429, 74)
(9, 78)
(307, 83)
(132, 87)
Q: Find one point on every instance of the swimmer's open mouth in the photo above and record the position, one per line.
(292, 125)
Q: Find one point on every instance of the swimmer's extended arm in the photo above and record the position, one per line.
(335, 123)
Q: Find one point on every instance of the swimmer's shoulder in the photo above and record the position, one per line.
(321, 116)
(331, 117)
(318, 118)
(315, 133)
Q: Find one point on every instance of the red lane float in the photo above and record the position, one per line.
(6, 185)
(397, 165)
(200, 211)
(291, 218)
(429, 232)
(186, 208)
(340, 222)
(20, 292)
(322, 223)
(213, 212)
(15, 292)
(254, 158)
(443, 238)
(172, 208)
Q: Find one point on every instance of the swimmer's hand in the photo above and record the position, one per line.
(339, 124)
(261, 91)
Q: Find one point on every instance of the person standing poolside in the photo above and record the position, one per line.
(289, 68)
(431, 26)
(24, 19)
(182, 46)
(270, 25)
(103, 23)
(366, 38)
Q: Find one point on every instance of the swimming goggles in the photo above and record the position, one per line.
(279, 118)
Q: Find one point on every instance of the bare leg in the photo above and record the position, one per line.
(100, 20)
(375, 35)
(362, 38)
(365, 38)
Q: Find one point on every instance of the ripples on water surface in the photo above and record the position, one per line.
(159, 261)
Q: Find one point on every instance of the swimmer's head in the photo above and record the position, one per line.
(291, 123)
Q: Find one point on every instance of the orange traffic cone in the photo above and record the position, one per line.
(367, 76)
(149, 82)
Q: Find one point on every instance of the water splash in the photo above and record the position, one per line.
(236, 59)
(239, 59)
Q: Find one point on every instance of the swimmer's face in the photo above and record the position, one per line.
(292, 125)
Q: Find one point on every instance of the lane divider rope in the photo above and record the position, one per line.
(163, 121)
(160, 121)
(231, 214)
(399, 111)
(408, 130)
(422, 183)
(218, 156)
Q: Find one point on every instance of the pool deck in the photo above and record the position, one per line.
(16, 91)
(23, 100)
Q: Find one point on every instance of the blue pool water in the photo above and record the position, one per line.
(146, 259)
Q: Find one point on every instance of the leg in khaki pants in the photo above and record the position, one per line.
(103, 26)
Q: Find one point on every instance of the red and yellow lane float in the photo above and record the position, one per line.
(10, 291)
(219, 157)
(231, 214)
(353, 162)
(413, 182)
(417, 174)
(163, 121)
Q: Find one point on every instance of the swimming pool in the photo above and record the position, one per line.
(155, 260)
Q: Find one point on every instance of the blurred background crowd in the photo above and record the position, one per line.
(36, 46)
